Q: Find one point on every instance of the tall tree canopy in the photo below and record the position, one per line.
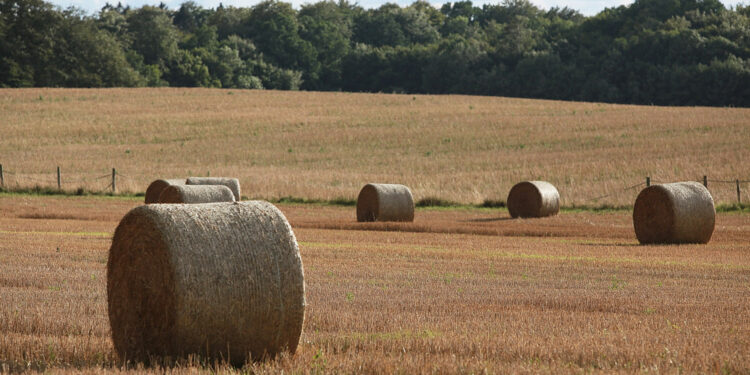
(671, 52)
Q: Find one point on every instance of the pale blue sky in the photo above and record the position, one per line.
(587, 7)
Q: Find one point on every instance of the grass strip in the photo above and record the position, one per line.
(429, 203)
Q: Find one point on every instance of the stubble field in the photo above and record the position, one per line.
(457, 291)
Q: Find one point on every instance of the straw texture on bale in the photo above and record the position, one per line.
(385, 202)
(681, 212)
(231, 183)
(196, 194)
(220, 280)
(533, 199)
(155, 188)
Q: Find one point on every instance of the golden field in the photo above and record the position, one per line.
(457, 291)
(328, 145)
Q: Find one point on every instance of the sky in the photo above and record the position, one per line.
(587, 7)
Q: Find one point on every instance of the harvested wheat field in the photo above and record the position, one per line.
(312, 145)
(456, 291)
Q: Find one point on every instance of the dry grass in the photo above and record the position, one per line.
(569, 293)
(327, 145)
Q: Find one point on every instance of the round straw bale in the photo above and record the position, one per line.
(223, 281)
(231, 183)
(681, 212)
(533, 199)
(155, 188)
(385, 202)
(196, 194)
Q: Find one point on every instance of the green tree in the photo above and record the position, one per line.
(274, 29)
(113, 20)
(461, 9)
(328, 28)
(230, 21)
(27, 48)
(434, 16)
(187, 69)
(391, 25)
(86, 56)
(153, 35)
(190, 16)
(456, 66)
(685, 52)
(244, 47)
(204, 36)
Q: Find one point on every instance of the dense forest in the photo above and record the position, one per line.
(666, 52)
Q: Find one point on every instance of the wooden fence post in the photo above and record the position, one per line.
(705, 181)
(114, 180)
(648, 181)
(2, 179)
(59, 183)
(739, 201)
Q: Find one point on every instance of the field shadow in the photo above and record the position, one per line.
(487, 220)
(444, 229)
(610, 244)
(54, 216)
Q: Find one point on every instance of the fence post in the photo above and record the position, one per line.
(114, 180)
(739, 201)
(59, 184)
(705, 181)
(648, 181)
(2, 179)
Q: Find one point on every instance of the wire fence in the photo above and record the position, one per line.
(101, 183)
(705, 181)
(95, 183)
(596, 199)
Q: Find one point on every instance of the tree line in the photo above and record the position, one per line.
(664, 52)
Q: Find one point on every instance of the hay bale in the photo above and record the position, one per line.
(681, 212)
(196, 194)
(385, 202)
(533, 199)
(155, 188)
(220, 280)
(231, 183)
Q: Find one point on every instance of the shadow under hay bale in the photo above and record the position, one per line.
(223, 281)
(232, 183)
(681, 212)
(196, 194)
(385, 202)
(533, 199)
(155, 188)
